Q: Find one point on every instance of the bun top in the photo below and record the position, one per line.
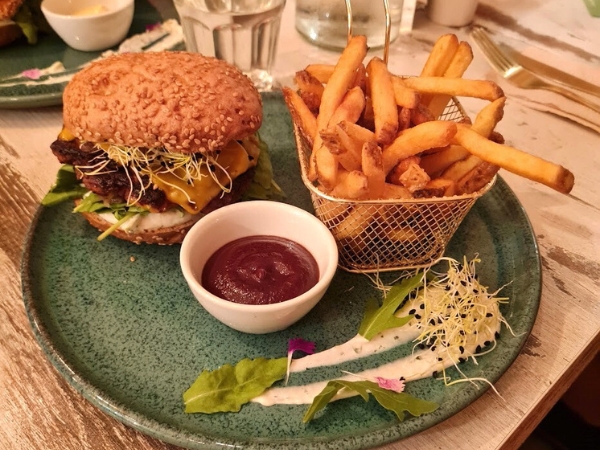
(183, 101)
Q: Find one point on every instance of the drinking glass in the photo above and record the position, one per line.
(241, 32)
(325, 22)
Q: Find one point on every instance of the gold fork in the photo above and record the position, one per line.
(516, 74)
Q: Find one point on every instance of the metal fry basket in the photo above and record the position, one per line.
(387, 235)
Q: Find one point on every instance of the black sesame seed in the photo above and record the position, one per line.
(433, 348)
(412, 311)
(402, 378)
(461, 332)
(475, 291)
(440, 359)
(489, 315)
(422, 306)
(417, 316)
(486, 343)
(431, 321)
(461, 348)
(464, 316)
(462, 360)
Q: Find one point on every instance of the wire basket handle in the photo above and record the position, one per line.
(388, 26)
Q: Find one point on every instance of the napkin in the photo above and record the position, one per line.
(547, 101)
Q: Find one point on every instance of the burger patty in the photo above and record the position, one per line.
(115, 183)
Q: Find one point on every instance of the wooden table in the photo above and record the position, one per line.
(40, 410)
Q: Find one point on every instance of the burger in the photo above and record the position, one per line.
(152, 141)
(21, 18)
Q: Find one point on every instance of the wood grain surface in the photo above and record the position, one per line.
(39, 410)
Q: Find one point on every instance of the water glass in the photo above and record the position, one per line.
(325, 22)
(241, 32)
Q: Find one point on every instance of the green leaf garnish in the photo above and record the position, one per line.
(263, 187)
(227, 388)
(376, 319)
(398, 402)
(66, 187)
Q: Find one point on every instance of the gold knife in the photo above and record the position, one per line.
(547, 71)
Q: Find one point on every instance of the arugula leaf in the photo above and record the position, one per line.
(376, 320)
(263, 187)
(398, 402)
(227, 388)
(66, 187)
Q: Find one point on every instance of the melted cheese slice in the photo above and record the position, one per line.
(193, 198)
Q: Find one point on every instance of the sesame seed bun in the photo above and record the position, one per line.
(186, 102)
(8, 8)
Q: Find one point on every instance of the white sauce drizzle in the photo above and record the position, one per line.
(470, 320)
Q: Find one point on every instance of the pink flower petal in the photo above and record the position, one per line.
(302, 345)
(153, 26)
(392, 385)
(33, 74)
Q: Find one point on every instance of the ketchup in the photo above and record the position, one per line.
(260, 270)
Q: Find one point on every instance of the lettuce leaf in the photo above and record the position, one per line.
(227, 388)
(376, 320)
(263, 186)
(398, 402)
(66, 187)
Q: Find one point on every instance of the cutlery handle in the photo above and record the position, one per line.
(572, 96)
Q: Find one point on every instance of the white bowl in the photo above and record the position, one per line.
(89, 32)
(249, 219)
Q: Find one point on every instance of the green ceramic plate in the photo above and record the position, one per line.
(50, 48)
(118, 322)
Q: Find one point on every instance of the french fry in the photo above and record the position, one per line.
(321, 72)
(342, 147)
(516, 161)
(391, 191)
(352, 149)
(360, 78)
(301, 114)
(350, 108)
(460, 62)
(355, 223)
(456, 87)
(323, 164)
(404, 96)
(420, 114)
(414, 178)
(439, 59)
(440, 56)
(476, 178)
(351, 185)
(403, 234)
(306, 82)
(394, 175)
(404, 115)
(488, 117)
(372, 166)
(435, 163)
(460, 168)
(416, 139)
(357, 132)
(367, 120)
(439, 187)
(385, 110)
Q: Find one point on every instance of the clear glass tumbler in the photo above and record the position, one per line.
(325, 22)
(241, 32)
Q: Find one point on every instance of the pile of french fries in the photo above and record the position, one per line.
(378, 136)
(395, 162)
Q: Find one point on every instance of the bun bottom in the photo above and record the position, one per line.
(160, 236)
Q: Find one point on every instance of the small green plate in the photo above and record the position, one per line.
(119, 323)
(21, 56)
